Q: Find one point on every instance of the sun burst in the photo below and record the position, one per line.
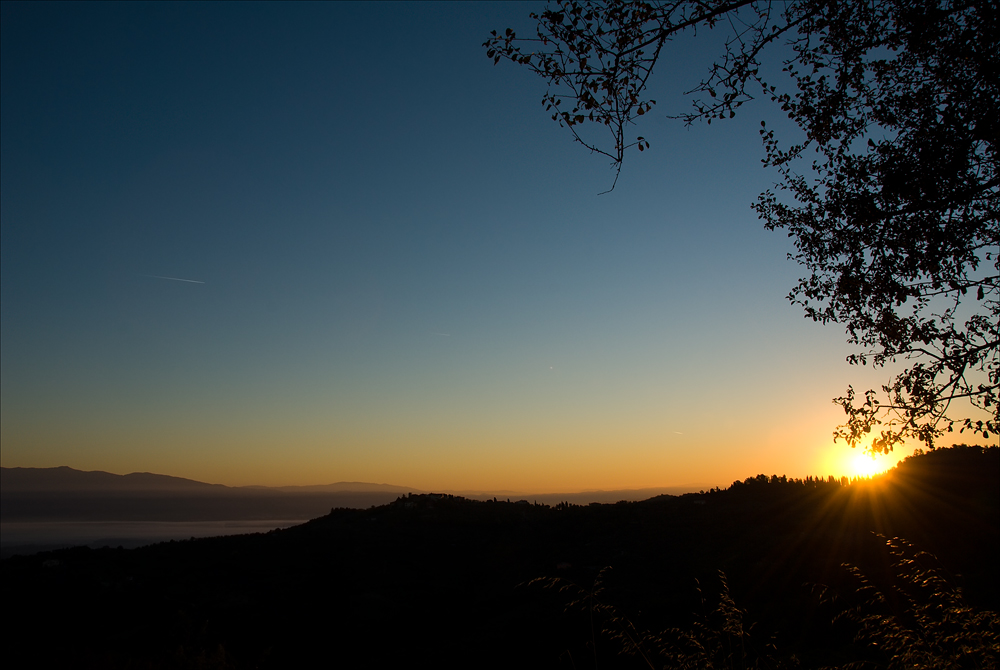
(866, 465)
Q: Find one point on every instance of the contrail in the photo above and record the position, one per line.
(190, 281)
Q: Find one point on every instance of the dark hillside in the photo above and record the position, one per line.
(445, 578)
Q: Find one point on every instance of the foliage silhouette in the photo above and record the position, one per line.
(717, 639)
(924, 622)
(895, 219)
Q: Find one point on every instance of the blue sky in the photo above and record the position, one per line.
(408, 272)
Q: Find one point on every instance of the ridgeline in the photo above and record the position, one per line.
(457, 582)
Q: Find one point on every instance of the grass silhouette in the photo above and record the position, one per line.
(917, 620)
(921, 620)
(718, 638)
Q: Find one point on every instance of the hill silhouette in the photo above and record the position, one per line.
(65, 479)
(448, 579)
(66, 494)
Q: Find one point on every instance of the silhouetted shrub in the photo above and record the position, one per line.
(919, 621)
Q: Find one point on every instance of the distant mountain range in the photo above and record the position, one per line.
(66, 494)
(65, 480)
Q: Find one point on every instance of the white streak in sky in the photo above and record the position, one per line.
(190, 281)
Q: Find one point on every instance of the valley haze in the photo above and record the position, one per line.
(66, 481)
(47, 508)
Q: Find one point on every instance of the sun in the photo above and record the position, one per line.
(865, 465)
(839, 461)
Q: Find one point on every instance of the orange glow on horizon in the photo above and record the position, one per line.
(843, 461)
(865, 465)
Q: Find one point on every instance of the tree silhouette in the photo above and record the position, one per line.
(895, 219)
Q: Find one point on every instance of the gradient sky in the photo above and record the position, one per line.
(406, 271)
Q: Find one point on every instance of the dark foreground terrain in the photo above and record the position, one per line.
(456, 582)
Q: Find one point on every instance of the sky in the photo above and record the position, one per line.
(289, 244)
